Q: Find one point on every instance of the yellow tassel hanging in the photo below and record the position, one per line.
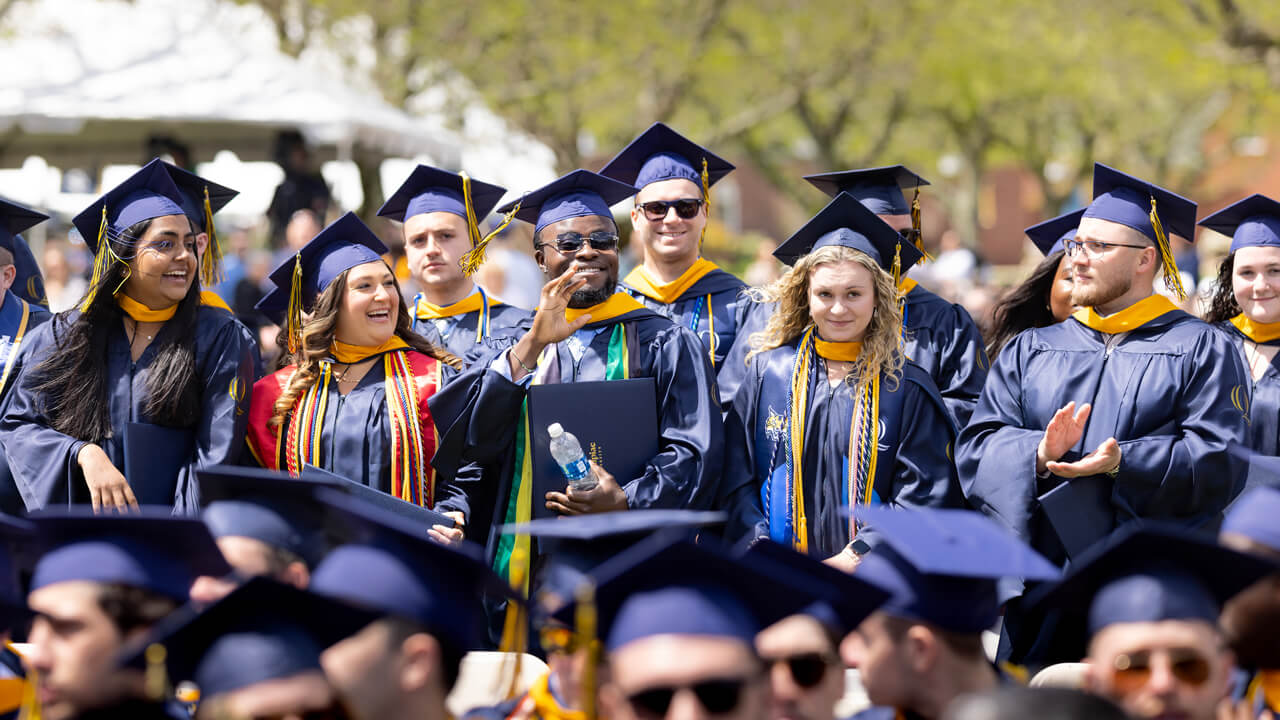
(157, 679)
(30, 707)
(706, 203)
(1172, 278)
(897, 264)
(211, 262)
(916, 225)
(474, 258)
(100, 260)
(293, 313)
(515, 629)
(585, 618)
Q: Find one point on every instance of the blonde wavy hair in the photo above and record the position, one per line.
(882, 343)
(317, 340)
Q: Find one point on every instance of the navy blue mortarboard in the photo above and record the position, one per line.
(274, 305)
(848, 223)
(580, 193)
(16, 219)
(430, 189)
(202, 198)
(151, 549)
(1254, 515)
(147, 194)
(1052, 235)
(28, 282)
(850, 600)
(13, 607)
(1150, 209)
(574, 546)
(942, 566)
(660, 587)
(661, 153)
(879, 188)
(1144, 573)
(263, 630)
(272, 507)
(1251, 222)
(393, 567)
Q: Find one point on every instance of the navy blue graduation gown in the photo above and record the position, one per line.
(1264, 411)
(459, 336)
(944, 341)
(17, 318)
(913, 462)
(724, 294)
(43, 460)
(1173, 393)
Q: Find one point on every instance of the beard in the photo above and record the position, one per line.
(1101, 292)
(586, 298)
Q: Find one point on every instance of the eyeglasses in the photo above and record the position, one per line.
(656, 210)
(1133, 671)
(807, 669)
(1095, 248)
(571, 242)
(718, 696)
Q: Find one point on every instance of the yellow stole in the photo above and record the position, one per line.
(667, 293)
(617, 304)
(1266, 682)
(545, 705)
(142, 313)
(347, 354)
(842, 351)
(906, 285)
(1131, 318)
(426, 311)
(1257, 332)
(213, 299)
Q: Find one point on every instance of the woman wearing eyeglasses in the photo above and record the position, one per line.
(1246, 305)
(353, 401)
(1044, 298)
(832, 414)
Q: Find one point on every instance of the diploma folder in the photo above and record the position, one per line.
(1079, 510)
(405, 509)
(616, 421)
(153, 457)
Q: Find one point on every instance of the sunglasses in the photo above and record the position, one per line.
(717, 696)
(807, 669)
(1133, 671)
(571, 242)
(656, 210)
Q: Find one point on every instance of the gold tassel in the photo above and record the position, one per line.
(100, 259)
(157, 679)
(916, 225)
(585, 618)
(1172, 278)
(474, 257)
(211, 263)
(293, 313)
(515, 630)
(897, 264)
(706, 203)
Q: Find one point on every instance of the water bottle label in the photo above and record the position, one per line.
(577, 469)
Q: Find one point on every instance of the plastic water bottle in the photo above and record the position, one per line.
(573, 462)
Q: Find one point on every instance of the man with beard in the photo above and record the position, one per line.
(583, 331)
(1124, 410)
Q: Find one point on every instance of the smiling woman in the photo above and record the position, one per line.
(140, 358)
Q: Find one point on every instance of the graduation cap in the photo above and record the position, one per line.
(941, 566)
(848, 223)
(16, 219)
(430, 189)
(661, 587)
(13, 606)
(28, 282)
(392, 566)
(1126, 200)
(344, 244)
(1144, 573)
(580, 193)
(274, 305)
(850, 600)
(263, 630)
(151, 549)
(661, 153)
(202, 198)
(268, 506)
(573, 546)
(1251, 222)
(1254, 513)
(1051, 236)
(879, 188)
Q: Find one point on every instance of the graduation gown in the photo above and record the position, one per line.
(1263, 436)
(461, 333)
(1171, 390)
(355, 429)
(43, 460)
(17, 318)
(913, 458)
(705, 299)
(943, 340)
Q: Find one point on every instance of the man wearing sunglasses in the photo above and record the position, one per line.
(1143, 609)
(669, 220)
(1122, 412)
(940, 336)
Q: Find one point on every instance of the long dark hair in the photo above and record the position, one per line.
(73, 379)
(317, 340)
(1223, 306)
(1026, 306)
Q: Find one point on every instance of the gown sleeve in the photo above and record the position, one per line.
(962, 366)
(739, 488)
(924, 474)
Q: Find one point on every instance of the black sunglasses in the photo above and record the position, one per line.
(807, 669)
(717, 696)
(571, 242)
(656, 210)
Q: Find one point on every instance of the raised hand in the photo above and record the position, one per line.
(549, 323)
(1061, 434)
